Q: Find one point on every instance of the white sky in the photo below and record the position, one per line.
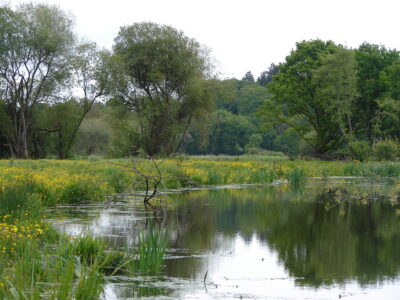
(247, 34)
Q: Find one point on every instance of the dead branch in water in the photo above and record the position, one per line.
(150, 181)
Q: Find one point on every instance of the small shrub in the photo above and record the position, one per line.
(360, 150)
(386, 150)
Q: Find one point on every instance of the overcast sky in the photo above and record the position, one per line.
(244, 35)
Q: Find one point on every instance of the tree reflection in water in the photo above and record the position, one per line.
(322, 236)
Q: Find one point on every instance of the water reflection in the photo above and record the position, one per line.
(322, 241)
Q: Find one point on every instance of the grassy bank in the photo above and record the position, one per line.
(37, 262)
(54, 182)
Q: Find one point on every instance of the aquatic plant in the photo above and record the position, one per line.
(297, 177)
(148, 254)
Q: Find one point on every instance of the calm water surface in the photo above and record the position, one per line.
(326, 241)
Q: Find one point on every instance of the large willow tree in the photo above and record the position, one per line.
(162, 76)
(36, 41)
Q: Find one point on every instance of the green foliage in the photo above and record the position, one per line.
(360, 150)
(291, 143)
(80, 192)
(18, 199)
(250, 98)
(5, 129)
(264, 175)
(169, 72)
(94, 137)
(305, 93)
(266, 77)
(118, 180)
(387, 119)
(296, 177)
(40, 263)
(336, 80)
(38, 272)
(151, 251)
(125, 130)
(386, 150)
(215, 177)
(372, 60)
(372, 170)
(229, 133)
(254, 144)
(61, 121)
(37, 40)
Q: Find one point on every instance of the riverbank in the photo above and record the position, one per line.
(38, 262)
(35, 259)
(69, 181)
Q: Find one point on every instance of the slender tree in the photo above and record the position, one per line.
(336, 81)
(90, 68)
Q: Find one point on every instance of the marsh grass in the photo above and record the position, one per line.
(263, 175)
(36, 262)
(215, 176)
(297, 177)
(152, 247)
(58, 182)
(34, 272)
(148, 255)
(373, 169)
(65, 270)
(20, 202)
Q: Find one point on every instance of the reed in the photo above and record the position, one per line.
(148, 255)
(297, 177)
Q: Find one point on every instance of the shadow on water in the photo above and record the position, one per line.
(322, 240)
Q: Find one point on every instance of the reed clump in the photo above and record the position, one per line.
(297, 177)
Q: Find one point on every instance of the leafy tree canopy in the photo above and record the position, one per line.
(303, 98)
(164, 80)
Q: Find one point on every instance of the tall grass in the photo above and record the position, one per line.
(148, 254)
(372, 169)
(152, 246)
(37, 263)
(19, 198)
(297, 177)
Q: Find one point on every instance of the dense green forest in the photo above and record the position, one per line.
(156, 93)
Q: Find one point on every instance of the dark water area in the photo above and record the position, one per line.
(326, 241)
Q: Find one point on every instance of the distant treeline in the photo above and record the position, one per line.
(155, 92)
